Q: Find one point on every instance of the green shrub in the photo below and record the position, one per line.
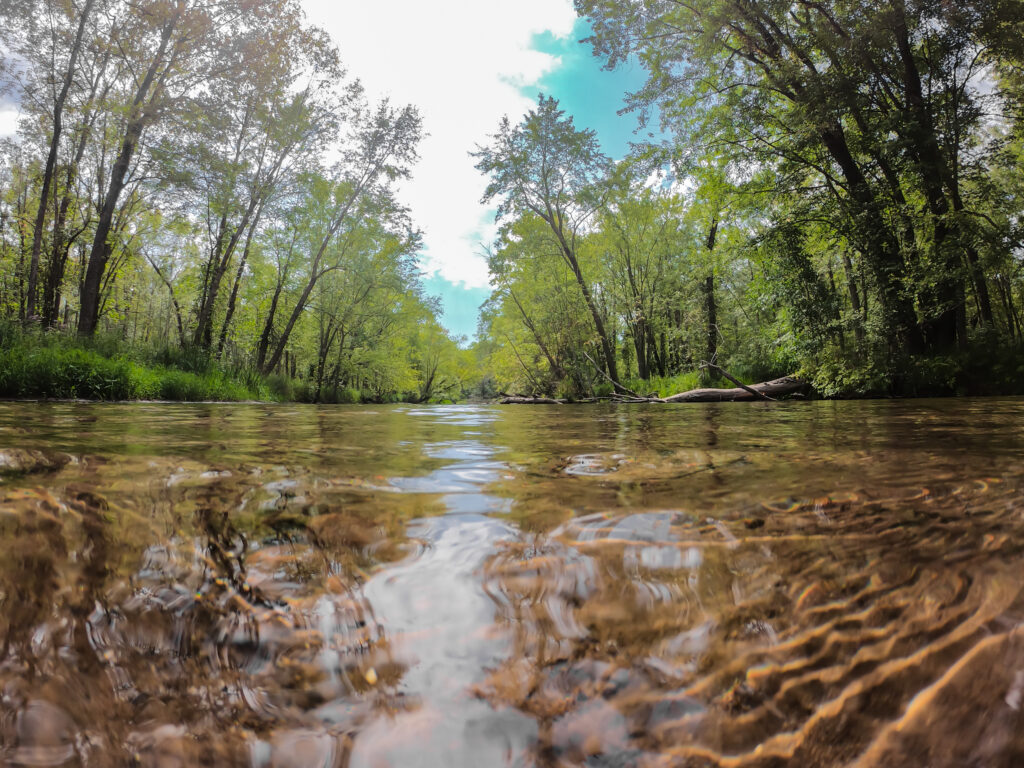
(664, 386)
(67, 373)
(339, 395)
(190, 359)
(280, 387)
(181, 385)
(52, 366)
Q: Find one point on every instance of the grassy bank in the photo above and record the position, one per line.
(50, 365)
(54, 366)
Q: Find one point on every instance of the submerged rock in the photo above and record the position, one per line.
(18, 461)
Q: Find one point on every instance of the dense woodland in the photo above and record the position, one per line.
(828, 189)
(204, 181)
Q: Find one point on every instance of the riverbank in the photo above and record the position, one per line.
(57, 367)
(59, 372)
(53, 366)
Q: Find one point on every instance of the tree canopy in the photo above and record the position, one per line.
(207, 176)
(833, 190)
(832, 178)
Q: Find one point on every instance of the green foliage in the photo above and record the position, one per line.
(249, 228)
(664, 386)
(830, 194)
(879, 251)
(69, 373)
(280, 387)
(56, 367)
(988, 366)
(337, 396)
(192, 359)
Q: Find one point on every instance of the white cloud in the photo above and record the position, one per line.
(462, 63)
(9, 116)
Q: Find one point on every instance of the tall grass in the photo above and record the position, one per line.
(34, 365)
(664, 386)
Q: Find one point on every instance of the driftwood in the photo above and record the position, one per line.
(726, 375)
(520, 400)
(768, 390)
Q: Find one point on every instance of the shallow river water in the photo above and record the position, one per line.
(801, 584)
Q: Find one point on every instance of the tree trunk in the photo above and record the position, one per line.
(711, 316)
(220, 260)
(213, 270)
(51, 160)
(297, 311)
(555, 367)
(935, 167)
(771, 389)
(101, 246)
(710, 305)
(607, 349)
(233, 298)
(878, 244)
(877, 240)
(174, 299)
(60, 250)
(1014, 318)
(638, 331)
(851, 287)
(943, 329)
(268, 327)
(326, 340)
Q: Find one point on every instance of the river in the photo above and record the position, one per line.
(761, 584)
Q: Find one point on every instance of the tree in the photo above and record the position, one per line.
(638, 227)
(546, 167)
(536, 314)
(383, 146)
(210, 167)
(830, 94)
(173, 50)
(61, 21)
(245, 150)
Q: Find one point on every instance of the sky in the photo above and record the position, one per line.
(465, 64)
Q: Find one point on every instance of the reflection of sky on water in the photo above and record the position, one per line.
(440, 622)
(471, 468)
(470, 462)
(438, 619)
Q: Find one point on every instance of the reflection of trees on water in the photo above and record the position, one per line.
(243, 638)
(801, 633)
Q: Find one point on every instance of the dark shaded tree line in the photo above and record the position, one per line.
(840, 183)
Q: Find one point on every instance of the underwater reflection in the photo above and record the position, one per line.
(729, 585)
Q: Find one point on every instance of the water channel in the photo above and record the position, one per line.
(761, 584)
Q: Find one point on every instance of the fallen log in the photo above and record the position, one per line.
(518, 400)
(725, 374)
(768, 390)
(777, 388)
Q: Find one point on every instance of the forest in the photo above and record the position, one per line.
(200, 188)
(200, 204)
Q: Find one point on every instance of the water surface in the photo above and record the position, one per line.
(801, 584)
